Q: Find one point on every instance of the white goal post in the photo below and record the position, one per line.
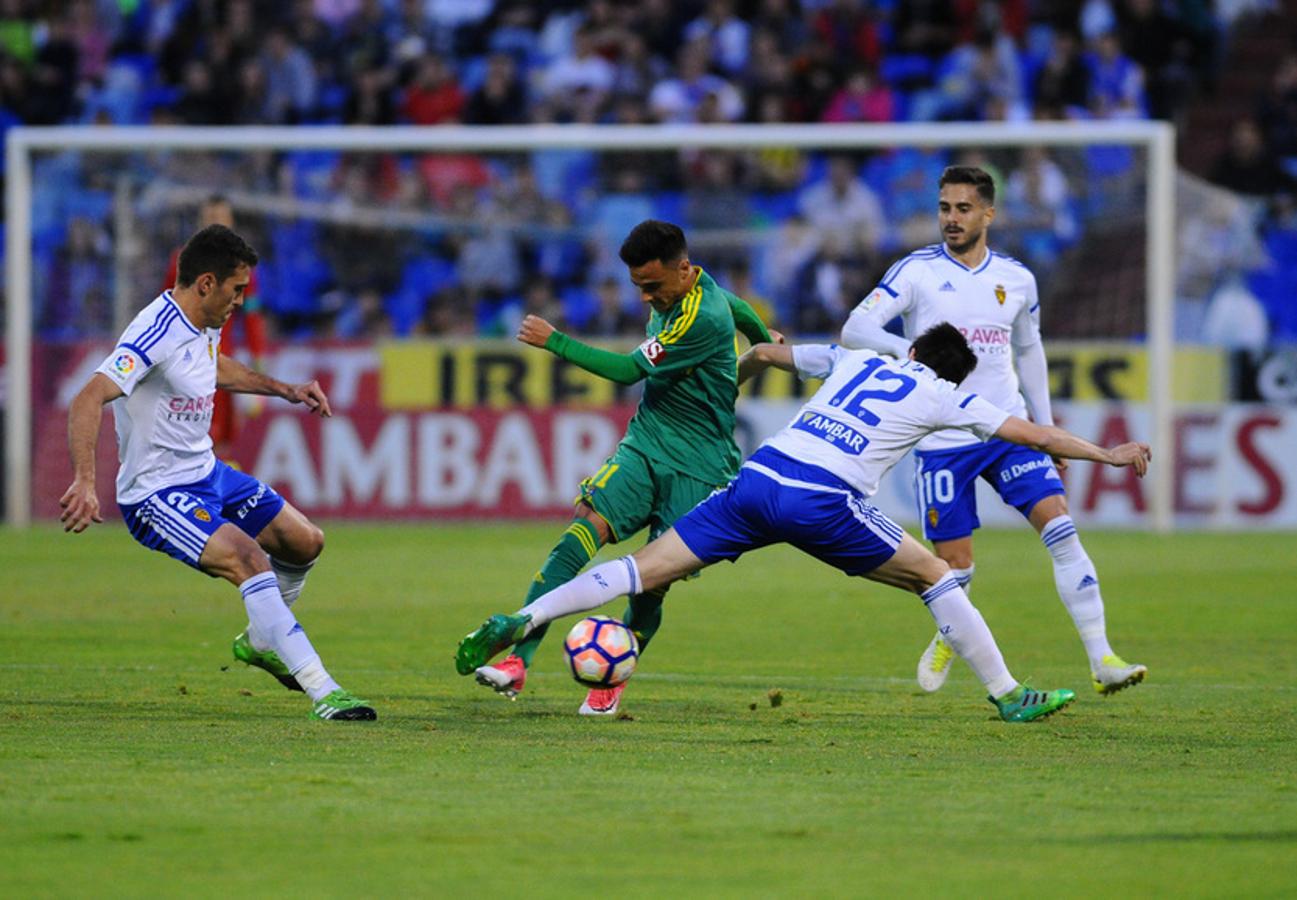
(1157, 139)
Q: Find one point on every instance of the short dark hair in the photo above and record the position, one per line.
(942, 349)
(653, 240)
(978, 178)
(215, 249)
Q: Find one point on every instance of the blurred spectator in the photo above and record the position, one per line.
(726, 35)
(614, 316)
(289, 81)
(1037, 207)
(1155, 41)
(17, 32)
(1235, 318)
(924, 27)
(500, 99)
(971, 77)
(1247, 166)
(679, 99)
(851, 30)
(203, 101)
(862, 99)
(370, 102)
(1116, 81)
(843, 209)
(1277, 110)
(433, 97)
(1063, 81)
(583, 70)
(54, 76)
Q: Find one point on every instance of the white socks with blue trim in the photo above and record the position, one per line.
(291, 578)
(272, 626)
(589, 590)
(1078, 585)
(962, 626)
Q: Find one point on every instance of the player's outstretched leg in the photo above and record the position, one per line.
(934, 664)
(576, 547)
(245, 653)
(1078, 587)
(494, 635)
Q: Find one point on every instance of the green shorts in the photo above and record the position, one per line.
(631, 492)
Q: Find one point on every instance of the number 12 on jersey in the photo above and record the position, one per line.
(853, 394)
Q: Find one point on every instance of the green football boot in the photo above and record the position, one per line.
(495, 634)
(245, 653)
(1026, 704)
(341, 706)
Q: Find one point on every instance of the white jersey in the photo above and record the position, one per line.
(167, 368)
(994, 306)
(871, 410)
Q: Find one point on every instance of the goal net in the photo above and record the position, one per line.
(396, 264)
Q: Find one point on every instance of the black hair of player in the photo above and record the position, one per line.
(215, 249)
(942, 349)
(653, 240)
(978, 178)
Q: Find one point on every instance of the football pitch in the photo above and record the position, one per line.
(773, 742)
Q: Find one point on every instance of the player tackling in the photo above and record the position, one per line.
(809, 486)
(175, 496)
(992, 299)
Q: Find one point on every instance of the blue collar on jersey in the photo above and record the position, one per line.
(986, 262)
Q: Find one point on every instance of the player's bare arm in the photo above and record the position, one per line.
(1057, 442)
(232, 375)
(80, 502)
(762, 356)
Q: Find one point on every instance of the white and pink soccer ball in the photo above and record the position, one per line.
(601, 652)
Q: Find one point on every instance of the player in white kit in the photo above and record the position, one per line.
(992, 300)
(810, 485)
(175, 496)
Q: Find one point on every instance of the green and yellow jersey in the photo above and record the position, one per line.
(685, 419)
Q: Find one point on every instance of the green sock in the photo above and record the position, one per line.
(574, 549)
(644, 615)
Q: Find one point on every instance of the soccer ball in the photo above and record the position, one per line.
(601, 652)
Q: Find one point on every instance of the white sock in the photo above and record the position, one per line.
(588, 590)
(965, 578)
(963, 627)
(1078, 585)
(273, 626)
(291, 578)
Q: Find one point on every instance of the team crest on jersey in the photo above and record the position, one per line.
(124, 364)
(202, 515)
(653, 351)
(1000, 294)
(932, 517)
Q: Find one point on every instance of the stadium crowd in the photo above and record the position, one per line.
(490, 237)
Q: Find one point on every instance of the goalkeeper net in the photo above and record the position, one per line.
(369, 237)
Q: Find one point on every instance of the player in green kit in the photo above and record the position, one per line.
(679, 446)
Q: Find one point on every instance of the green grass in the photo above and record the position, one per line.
(136, 760)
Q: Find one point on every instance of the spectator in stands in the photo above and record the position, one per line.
(1155, 41)
(1116, 81)
(973, 75)
(1063, 81)
(583, 70)
(844, 210)
(679, 99)
(1277, 110)
(290, 83)
(500, 99)
(434, 96)
(1037, 208)
(862, 99)
(1235, 318)
(202, 100)
(370, 101)
(613, 316)
(53, 79)
(726, 35)
(1247, 166)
